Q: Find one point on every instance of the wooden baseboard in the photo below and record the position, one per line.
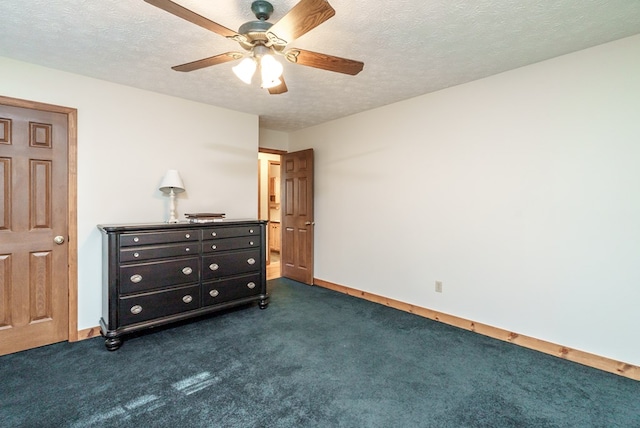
(602, 363)
(87, 333)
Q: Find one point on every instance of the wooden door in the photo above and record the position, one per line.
(34, 234)
(297, 216)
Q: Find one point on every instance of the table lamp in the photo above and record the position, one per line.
(172, 184)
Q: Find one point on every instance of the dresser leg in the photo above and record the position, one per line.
(113, 343)
(263, 303)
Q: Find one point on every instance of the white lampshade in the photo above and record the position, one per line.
(271, 71)
(245, 70)
(173, 181)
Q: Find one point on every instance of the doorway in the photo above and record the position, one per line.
(269, 206)
(286, 202)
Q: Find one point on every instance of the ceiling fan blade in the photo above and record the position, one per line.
(208, 62)
(184, 13)
(280, 89)
(324, 61)
(302, 18)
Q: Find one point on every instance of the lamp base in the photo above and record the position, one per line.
(172, 207)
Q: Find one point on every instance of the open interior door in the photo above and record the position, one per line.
(297, 216)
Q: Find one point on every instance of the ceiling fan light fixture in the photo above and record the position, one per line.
(245, 69)
(271, 70)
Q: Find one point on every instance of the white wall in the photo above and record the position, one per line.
(271, 139)
(127, 139)
(519, 191)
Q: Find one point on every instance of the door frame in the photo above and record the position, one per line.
(72, 200)
(260, 191)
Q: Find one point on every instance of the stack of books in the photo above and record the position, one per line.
(204, 217)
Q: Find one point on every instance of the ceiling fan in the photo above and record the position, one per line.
(261, 40)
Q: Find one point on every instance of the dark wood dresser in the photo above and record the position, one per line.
(155, 274)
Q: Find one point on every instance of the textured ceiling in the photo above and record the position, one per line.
(409, 47)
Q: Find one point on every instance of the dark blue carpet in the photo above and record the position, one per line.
(314, 358)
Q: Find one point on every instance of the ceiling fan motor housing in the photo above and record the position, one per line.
(255, 31)
(254, 27)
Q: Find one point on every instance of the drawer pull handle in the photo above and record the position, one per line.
(136, 239)
(213, 266)
(135, 310)
(187, 249)
(251, 261)
(136, 278)
(187, 236)
(251, 285)
(213, 293)
(187, 299)
(250, 230)
(214, 234)
(213, 247)
(250, 242)
(136, 255)
(187, 270)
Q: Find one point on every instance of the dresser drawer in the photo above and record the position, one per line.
(226, 264)
(148, 306)
(230, 244)
(225, 290)
(230, 232)
(145, 276)
(130, 254)
(150, 238)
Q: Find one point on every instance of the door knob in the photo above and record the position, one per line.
(309, 223)
(59, 239)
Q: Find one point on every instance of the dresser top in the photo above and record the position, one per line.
(130, 227)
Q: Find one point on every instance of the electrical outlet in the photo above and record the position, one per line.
(438, 286)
